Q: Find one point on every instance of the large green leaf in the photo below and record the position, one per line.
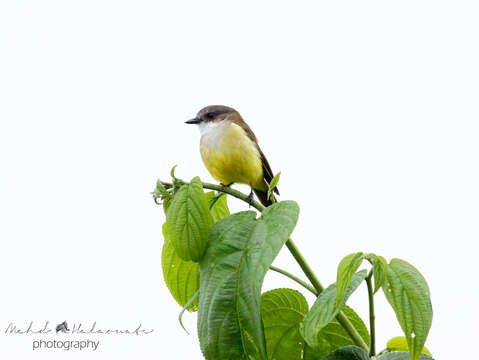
(407, 292)
(346, 269)
(282, 310)
(182, 277)
(241, 249)
(348, 353)
(401, 355)
(333, 336)
(189, 221)
(324, 310)
(218, 206)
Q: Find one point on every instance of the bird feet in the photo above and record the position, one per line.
(250, 198)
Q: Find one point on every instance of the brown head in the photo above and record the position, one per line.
(214, 113)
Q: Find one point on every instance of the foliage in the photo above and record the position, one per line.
(408, 293)
(241, 249)
(224, 258)
(324, 309)
(189, 221)
(272, 185)
(333, 336)
(282, 311)
(182, 277)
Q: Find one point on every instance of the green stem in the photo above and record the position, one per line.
(294, 278)
(227, 190)
(304, 266)
(342, 319)
(372, 326)
(351, 330)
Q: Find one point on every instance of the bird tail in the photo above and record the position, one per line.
(263, 197)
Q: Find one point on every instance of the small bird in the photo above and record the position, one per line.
(230, 151)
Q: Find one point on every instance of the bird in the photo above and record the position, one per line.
(230, 151)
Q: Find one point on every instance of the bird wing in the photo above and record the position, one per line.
(267, 172)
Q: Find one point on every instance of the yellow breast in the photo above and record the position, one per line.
(231, 156)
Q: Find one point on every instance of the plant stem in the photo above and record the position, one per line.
(227, 190)
(342, 319)
(372, 326)
(304, 266)
(294, 278)
(351, 330)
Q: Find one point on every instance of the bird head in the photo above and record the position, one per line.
(212, 113)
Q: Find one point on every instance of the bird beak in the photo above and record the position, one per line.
(193, 121)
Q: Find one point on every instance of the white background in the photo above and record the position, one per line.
(369, 109)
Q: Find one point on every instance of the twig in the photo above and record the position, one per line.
(294, 278)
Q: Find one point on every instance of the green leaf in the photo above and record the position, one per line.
(273, 184)
(346, 269)
(218, 206)
(401, 355)
(161, 190)
(348, 353)
(407, 292)
(241, 249)
(399, 343)
(333, 336)
(380, 268)
(324, 309)
(189, 221)
(282, 310)
(181, 277)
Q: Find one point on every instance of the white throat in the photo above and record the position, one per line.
(212, 131)
(212, 126)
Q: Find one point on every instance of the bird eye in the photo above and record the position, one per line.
(210, 115)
